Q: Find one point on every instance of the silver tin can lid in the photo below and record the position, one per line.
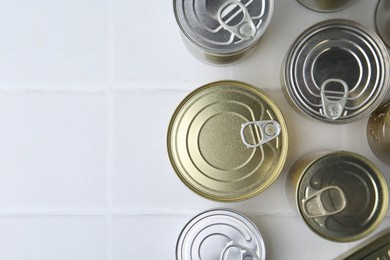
(223, 27)
(220, 234)
(382, 21)
(326, 5)
(337, 71)
(342, 196)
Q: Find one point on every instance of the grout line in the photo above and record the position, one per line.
(70, 90)
(110, 130)
(149, 90)
(53, 212)
(104, 89)
(110, 172)
(128, 213)
(173, 90)
(178, 212)
(118, 213)
(109, 212)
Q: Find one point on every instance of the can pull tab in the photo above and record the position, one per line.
(333, 109)
(313, 206)
(269, 130)
(245, 29)
(244, 252)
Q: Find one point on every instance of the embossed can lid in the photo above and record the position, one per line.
(220, 234)
(378, 132)
(227, 141)
(337, 71)
(342, 196)
(223, 27)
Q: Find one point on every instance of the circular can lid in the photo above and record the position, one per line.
(378, 132)
(342, 196)
(221, 235)
(227, 141)
(337, 71)
(223, 27)
(382, 21)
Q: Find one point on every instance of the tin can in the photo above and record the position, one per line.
(382, 20)
(378, 132)
(326, 5)
(337, 71)
(222, 31)
(377, 249)
(341, 196)
(227, 141)
(220, 234)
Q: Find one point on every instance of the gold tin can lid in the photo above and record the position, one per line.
(378, 132)
(342, 196)
(227, 141)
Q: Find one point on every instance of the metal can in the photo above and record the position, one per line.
(382, 20)
(220, 234)
(337, 71)
(222, 31)
(227, 141)
(341, 196)
(378, 249)
(378, 132)
(326, 5)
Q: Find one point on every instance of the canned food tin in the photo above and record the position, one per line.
(222, 31)
(378, 132)
(220, 234)
(378, 249)
(340, 195)
(326, 5)
(382, 20)
(227, 141)
(337, 71)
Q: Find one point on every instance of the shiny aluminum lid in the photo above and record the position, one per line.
(227, 141)
(223, 27)
(342, 196)
(220, 235)
(382, 20)
(337, 71)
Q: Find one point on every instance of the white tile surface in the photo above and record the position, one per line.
(146, 237)
(62, 238)
(87, 89)
(53, 43)
(53, 150)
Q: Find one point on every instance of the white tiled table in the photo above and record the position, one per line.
(87, 89)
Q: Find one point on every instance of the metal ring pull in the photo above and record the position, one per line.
(333, 109)
(313, 206)
(244, 251)
(269, 130)
(245, 29)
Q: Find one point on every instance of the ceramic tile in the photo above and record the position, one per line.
(56, 237)
(54, 44)
(146, 236)
(53, 150)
